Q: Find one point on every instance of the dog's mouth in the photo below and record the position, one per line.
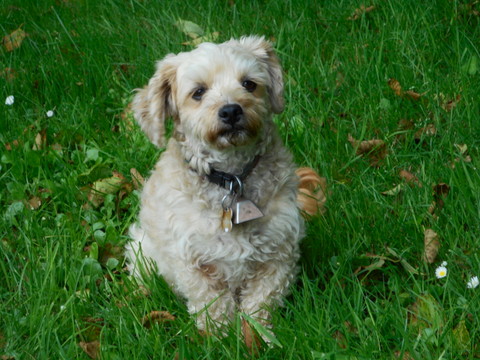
(235, 135)
(234, 127)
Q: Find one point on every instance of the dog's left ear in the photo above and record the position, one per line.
(153, 104)
(264, 51)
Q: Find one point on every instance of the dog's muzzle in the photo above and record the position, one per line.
(231, 115)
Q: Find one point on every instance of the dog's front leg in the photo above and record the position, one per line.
(267, 289)
(208, 296)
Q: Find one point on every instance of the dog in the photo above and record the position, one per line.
(219, 215)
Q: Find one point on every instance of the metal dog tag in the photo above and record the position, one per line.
(245, 210)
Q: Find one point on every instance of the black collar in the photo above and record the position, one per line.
(230, 181)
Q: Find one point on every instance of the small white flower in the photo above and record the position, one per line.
(50, 113)
(10, 100)
(441, 272)
(473, 282)
(444, 263)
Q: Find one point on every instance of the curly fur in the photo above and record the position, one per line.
(250, 268)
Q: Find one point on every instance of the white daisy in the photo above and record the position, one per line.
(50, 113)
(473, 282)
(441, 272)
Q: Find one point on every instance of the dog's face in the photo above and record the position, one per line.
(219, 95)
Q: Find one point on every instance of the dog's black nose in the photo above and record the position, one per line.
(230, 114)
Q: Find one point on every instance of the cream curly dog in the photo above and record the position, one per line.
(219, 215)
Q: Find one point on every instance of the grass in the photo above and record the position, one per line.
(62, 281)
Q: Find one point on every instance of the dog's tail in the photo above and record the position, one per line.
(311, 192)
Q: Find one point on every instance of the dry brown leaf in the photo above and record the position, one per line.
(410, 178)
(34, 203)
(252, 340)
(14, 39)
(403, 356)
(10, 146)
(340, 339)
(8, 74)
(375, 149)
(156, 317)
(413, 95)
(431, 246)
(360, 11)
(440, 191)
(429, 130)
(137, 179)
(464, 156)
(92, 349)
(311, 191)
(395, 86)
(40, 140)
(448, 104)
(350, 327)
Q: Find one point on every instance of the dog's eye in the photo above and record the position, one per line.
(249, 85)
(197, 95)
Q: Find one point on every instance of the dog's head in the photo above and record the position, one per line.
(219, 95)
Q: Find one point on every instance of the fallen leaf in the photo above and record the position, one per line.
(8, 74)
(429, 130)
(211, 37)
(409, 178)
(189, 28)
(394, 191)
(250, 337)
(373, 266)
(424, 313)
(461, 337)
(360, 11)
(10, 146)
(40, 140)
(100, 188)
(395, 86)
(403, 355)
(340, 339)
(431, 246)
(311, 191)
(92, 349)
(156, 317)
(92, 328)
(441, 190)
(137, 179)
(413, 95)
(375, 149)
(14, 39)
(403, 262)
(462, 148)
(34, 203)
(448, 104)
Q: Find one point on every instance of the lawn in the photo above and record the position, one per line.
(382, 100)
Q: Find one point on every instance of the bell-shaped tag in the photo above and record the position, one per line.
(245, 210)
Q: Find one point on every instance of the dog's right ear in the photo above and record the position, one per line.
(153, 104)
